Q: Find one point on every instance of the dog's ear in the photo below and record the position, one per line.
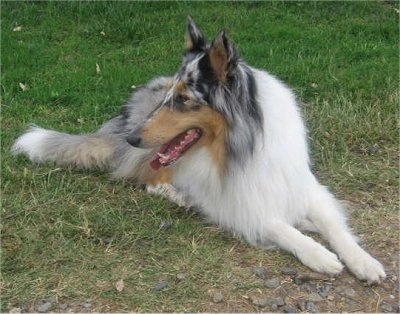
(223, 56)
(195, 39)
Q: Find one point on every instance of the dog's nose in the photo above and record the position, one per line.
(134, 138)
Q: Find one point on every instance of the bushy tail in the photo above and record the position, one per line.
(86, 151)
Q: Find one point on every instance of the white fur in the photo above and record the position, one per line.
(275, 192)
(33, 144)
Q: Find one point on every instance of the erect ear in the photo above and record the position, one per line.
(223, 56)
(195, 39)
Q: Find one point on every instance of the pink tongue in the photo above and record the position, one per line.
(155, 164)
(155, 160)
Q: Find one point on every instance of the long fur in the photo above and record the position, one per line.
(265, 191)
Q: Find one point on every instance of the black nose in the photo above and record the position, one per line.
(134, 138)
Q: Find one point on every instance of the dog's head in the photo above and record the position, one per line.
(199, 104)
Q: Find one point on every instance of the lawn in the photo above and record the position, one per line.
(75, 235)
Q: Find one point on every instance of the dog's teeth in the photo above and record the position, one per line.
(163, 157)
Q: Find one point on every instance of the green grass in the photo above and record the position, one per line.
(342, 60)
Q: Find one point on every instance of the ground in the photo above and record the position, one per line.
(75, 240)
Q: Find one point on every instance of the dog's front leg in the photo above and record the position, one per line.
(168, 191)
(325, 213)
(308, 251)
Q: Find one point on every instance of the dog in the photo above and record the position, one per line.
(227, 139)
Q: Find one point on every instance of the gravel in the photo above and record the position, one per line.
(161, 285)
(44, 306)
(217, 297)
(310, 307)
(289, 271)
(260, 272)
(272, 283)
(302, 292)
(181, 277)
(386, 307)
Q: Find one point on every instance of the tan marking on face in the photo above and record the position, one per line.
(180, 87)
(169, 84)
(166, 124)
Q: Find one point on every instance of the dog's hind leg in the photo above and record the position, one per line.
(308, 251)
(326, 214)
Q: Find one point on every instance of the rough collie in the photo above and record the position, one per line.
(224, 138)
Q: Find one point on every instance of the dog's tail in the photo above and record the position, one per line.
(84, 151)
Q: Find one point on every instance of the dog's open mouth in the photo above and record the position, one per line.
(174, 149)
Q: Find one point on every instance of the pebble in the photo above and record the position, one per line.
(371, 150)
(263, 302)
(323, 290)
(45, 306)
(87, 305)
(315, 297)
(217, 297)
(165, 225)
(309, 287)
(274, 307)
(349, 292)
(310, 307)
(272, 283)
(63, 306)
(260, 302)
(161, 285)
(386, 307)
(289, 271)
(260, 272)
(105, 240)
(181, 276)
(289, 309)
(278, 301)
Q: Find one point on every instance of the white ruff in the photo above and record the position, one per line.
(275, 192)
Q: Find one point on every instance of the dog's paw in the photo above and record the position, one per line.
(365, 267)
(321, 260)
(168, 191)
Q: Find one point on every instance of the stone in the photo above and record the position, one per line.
(310, 307)
(289, 309)
(63, 306)
(278, 301)
(260, 272)
(349, 292)
(161, 285)
(289, 271)
(386, 307)
(44, 307)
(323, 290)
(180, 276)
(314, 297)
(260, 302)
(87, 305)
(165, 225)
(272, 283)
(217, 297)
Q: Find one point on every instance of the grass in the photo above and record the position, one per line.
(74, 234)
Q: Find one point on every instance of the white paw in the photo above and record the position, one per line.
(365, 267)
(321, 260)
(167, 190)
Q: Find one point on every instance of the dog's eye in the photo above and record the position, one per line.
(181, 98)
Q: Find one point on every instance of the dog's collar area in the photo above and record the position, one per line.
(170, 152)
